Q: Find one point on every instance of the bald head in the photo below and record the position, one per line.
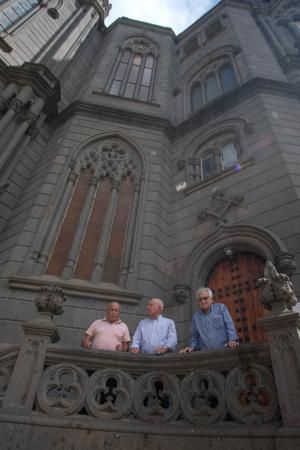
(155, 308)
(113, 312)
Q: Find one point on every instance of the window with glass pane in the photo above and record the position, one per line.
(195, 169)
(146, 78)
(227, 77)
(133, 76)
(209, 165)
(26, 5)
(120, 73)
(197, 97)
(229, 155)
(115, 88)
(211, 88)
(15, 12)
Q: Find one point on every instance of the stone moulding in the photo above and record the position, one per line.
(212, 110)
(45, 85)
(77, 288)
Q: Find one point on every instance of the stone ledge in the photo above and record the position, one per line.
(223, 359)
(88, 423)
(77, 288)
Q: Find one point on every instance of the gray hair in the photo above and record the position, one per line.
(159, 302)
(204, 289)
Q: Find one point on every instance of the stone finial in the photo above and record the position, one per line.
(277, 293)
(181, 293)
(50, 300)
(285, 263)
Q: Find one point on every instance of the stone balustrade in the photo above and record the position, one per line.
(200, 388)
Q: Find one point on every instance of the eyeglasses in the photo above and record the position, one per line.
(203, 299)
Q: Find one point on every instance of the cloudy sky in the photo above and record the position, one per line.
(176, 14)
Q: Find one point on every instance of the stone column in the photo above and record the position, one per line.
(42, 249)
(16, 106)
(32, 133)
(7, 94)
(267, 28)
(130, 235)
(102, 247)
(283, 329)
(29, 120)
(79, 234)
(20, 394)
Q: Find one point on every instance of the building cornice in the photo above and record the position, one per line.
(142, 25)
(117, 115)
(216, 108)
(77, 288)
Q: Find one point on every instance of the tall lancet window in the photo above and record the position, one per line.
(95, 239)
(135, 71)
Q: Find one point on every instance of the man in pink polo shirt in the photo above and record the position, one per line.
(109, 333)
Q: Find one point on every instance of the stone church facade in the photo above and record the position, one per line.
(136, 163)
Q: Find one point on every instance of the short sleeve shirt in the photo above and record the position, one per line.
(107, 335)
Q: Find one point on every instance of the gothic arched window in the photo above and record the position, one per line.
(212, 159)
(135, 71)
(229, 155)
(214, 80)
(91, 241)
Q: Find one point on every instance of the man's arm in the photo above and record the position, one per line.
(124, 346)
(232, 337)
(137, 340)
(171, 336)
(194, 341)
(86, 341)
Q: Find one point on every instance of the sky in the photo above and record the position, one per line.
(176, 14)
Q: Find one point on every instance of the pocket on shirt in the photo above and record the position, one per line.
(218, 322)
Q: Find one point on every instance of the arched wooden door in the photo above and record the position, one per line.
(233, 282)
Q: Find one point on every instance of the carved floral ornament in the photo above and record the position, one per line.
(211, 68)
(109, 393)
(202, 397)
(50, 300)
(141, 46)
(109, 160)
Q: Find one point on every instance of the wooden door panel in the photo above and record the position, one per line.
(233, 281)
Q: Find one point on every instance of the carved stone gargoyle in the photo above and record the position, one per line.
(277, 292)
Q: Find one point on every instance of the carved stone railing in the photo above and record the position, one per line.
(203, 388)
(254, 385)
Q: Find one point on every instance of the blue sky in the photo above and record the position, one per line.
(176, 14)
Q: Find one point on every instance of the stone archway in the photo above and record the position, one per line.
(233, 282)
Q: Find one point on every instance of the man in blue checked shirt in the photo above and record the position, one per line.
(155, 334)
(212, 325)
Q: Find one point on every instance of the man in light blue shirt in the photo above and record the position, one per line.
(155, 334)
(212, 325)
